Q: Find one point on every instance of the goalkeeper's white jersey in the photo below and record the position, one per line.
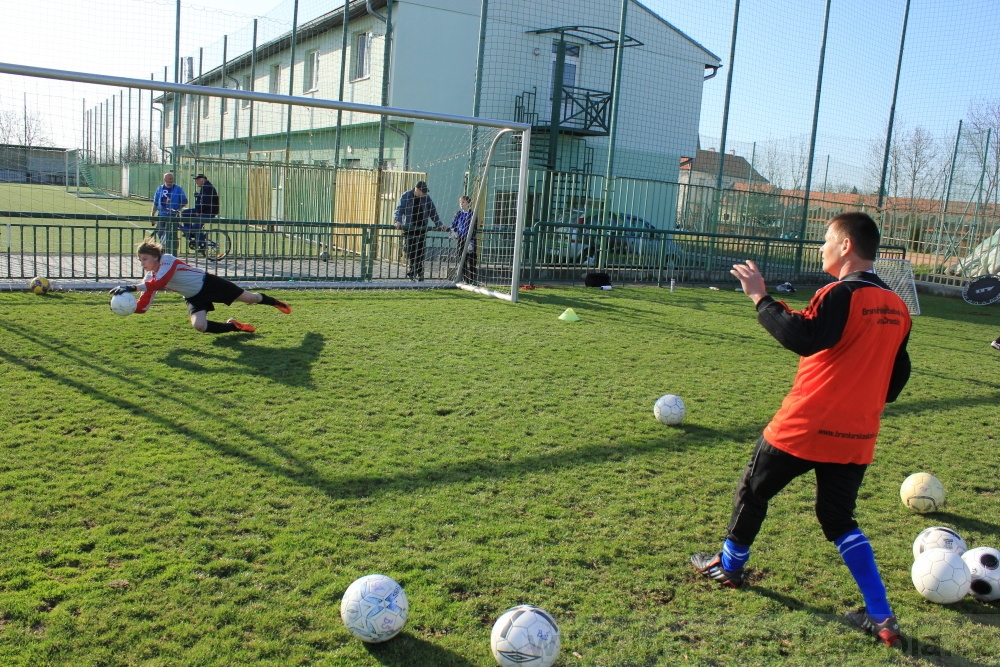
(173, 275)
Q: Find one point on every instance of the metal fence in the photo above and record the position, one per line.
(83, 247)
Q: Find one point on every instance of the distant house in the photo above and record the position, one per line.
(44, 165)
(703, 169)
(433, 64)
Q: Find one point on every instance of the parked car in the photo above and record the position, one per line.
(633, 237)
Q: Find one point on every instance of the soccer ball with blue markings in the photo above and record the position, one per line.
(669, 409)
(525, 635)
(374, 608)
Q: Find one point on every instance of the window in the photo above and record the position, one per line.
(247, 85)
(570, 64)
(203, 101)
(361, 60)
(352, 163)
(274, 83)
(310, 79)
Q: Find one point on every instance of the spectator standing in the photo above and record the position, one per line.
(415, 208)
(464, 227)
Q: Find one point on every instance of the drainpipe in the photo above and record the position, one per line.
(371, 10)
(406, 145)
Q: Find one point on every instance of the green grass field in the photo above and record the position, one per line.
(55, 198)
(173, 498)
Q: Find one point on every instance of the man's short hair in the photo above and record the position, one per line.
(861, 229)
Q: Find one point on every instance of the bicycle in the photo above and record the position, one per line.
(213, 244)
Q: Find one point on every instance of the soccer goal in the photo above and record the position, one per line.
(311, 191)
(898, 274)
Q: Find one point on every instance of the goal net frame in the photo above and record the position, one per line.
(483, 178)
(898, 274)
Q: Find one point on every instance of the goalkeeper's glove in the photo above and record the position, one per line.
(121, 289)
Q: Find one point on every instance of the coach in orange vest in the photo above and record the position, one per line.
(852, 339)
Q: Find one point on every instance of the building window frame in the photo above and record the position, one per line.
(310, 73)
(361, 56)
(274, 79)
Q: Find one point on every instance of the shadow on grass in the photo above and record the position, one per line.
(284, 463)
(288, 365)
(405, 650)
(914, 647)
(967, 523)
(940, 405)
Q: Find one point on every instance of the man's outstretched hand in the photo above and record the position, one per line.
(751, 279)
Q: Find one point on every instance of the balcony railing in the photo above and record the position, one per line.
(582, 110)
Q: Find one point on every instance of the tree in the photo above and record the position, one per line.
(984, 115)
(22, 128)
(136, 151)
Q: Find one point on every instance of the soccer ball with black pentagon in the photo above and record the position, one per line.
(525, 635)
(39, 285)
(669, 409)
(374, 608)
(984, 566)
(941, 576)
(938, 537)
(922, 492)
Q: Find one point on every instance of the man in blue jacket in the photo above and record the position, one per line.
(168, 201)
(412, 212)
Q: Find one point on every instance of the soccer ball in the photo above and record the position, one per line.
(984, 566)
(938, 537)
(669, 409)
(123, 304)
(39, 285)
(922, 493)
(941, 576)
(525, 635)
(374, 608)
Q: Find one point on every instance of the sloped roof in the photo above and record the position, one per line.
(677, 30)
(733, 166)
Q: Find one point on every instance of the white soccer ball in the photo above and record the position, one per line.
(984, 566)
(669, 409)
(123, 304)
(922, 492)
(525, 635)
(941, 576)
(938, 537)
(374, 608)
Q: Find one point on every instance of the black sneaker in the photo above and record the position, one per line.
(887, 631)
(995, 344)
(711, 567)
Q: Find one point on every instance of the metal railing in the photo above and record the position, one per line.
(565, 253)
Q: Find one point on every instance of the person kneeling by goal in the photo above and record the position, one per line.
(199, 288)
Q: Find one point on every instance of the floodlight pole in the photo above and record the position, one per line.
(291, 83)
(222, 100)
(812, 144)
(340, 93)
(892, 109)
(253, 83)
(725, 118)
(613, 125)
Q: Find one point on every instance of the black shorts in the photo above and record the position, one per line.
(215, 290)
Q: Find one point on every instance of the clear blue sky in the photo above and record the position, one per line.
(950, 58)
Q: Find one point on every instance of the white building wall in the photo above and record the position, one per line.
(434, 55)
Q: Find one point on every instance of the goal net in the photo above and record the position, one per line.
(898, 274)
(310, 191)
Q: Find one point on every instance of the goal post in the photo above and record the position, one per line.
(898, 274)
(308, 188)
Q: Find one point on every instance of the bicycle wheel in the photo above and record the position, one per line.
(217, 245)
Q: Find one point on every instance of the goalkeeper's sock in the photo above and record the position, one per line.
(219, 327)
(860, 560)
(268, 300)
(734, 556)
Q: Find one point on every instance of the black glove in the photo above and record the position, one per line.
(121, 289)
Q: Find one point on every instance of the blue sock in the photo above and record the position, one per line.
(860, 560)
(734, 556)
